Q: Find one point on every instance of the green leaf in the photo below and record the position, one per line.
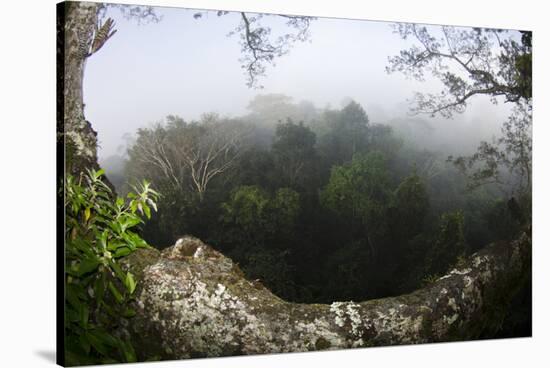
(105, 338)
(87, 265)
(84, 316)
(128, 350)
(110, 311)
(98, 173)
(84, 343)
(102, 238)
(72, 298)
(118, 271)
(96, 343)
(82, 245)
(152, 204)
(132, 221)
(116, 227)
(87, 214)
(130, 283)
(129, 313)
(137, 240)
(133, 206)
(116, 244)
(97, 234)
(118, 296)
(72, 315)
(99, 287)
(121, 252)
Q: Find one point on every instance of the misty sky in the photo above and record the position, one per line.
(186, 66)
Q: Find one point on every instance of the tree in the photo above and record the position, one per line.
(471, 62)
(207, 304)
(258, 218)
(358, 191)
(382, 138)
(273, 108)
(449, 245)
(410, 205)
(257, 227)
(294, 153)
(467, 62)
(505, 162)
(76, 22)
(347, 133)
(246, 209)
(258, 47)
(189, 155)
(81, 32)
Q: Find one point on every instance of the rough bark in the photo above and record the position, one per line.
(194, 302)
(76, 35)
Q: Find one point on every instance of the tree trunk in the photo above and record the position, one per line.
(76, 24)
(192, 301)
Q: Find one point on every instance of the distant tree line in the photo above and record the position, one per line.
(317, 204)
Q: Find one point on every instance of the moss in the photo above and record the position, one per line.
(138, 260)
(322, 344)
(426, 328)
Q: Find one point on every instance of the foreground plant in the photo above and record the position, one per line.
(97, 290)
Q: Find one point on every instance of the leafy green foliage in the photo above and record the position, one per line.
(410, 205)
(256, 218)
(257, 228)
(450, 243)
(347, 134)
(270, 267)
(352, 263)
(247, 208)
(97, 290)
(294, 153)
(359, 189)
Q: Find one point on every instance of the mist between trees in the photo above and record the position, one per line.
(323, 204)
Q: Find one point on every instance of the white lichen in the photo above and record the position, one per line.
(199, 252)
(450, 320)
(464, 271)
(354, 318)
(339, 312)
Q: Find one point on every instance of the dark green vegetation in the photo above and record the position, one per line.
(321, 205)
(97, 289)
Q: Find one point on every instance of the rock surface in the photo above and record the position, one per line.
(194, 302)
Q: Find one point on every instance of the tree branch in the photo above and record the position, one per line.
(192, 301)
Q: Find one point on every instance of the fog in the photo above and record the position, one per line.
(186, 67)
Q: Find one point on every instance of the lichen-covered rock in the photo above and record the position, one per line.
(194, 302)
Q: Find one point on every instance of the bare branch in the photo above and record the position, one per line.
(258, 47)
(466, 62)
